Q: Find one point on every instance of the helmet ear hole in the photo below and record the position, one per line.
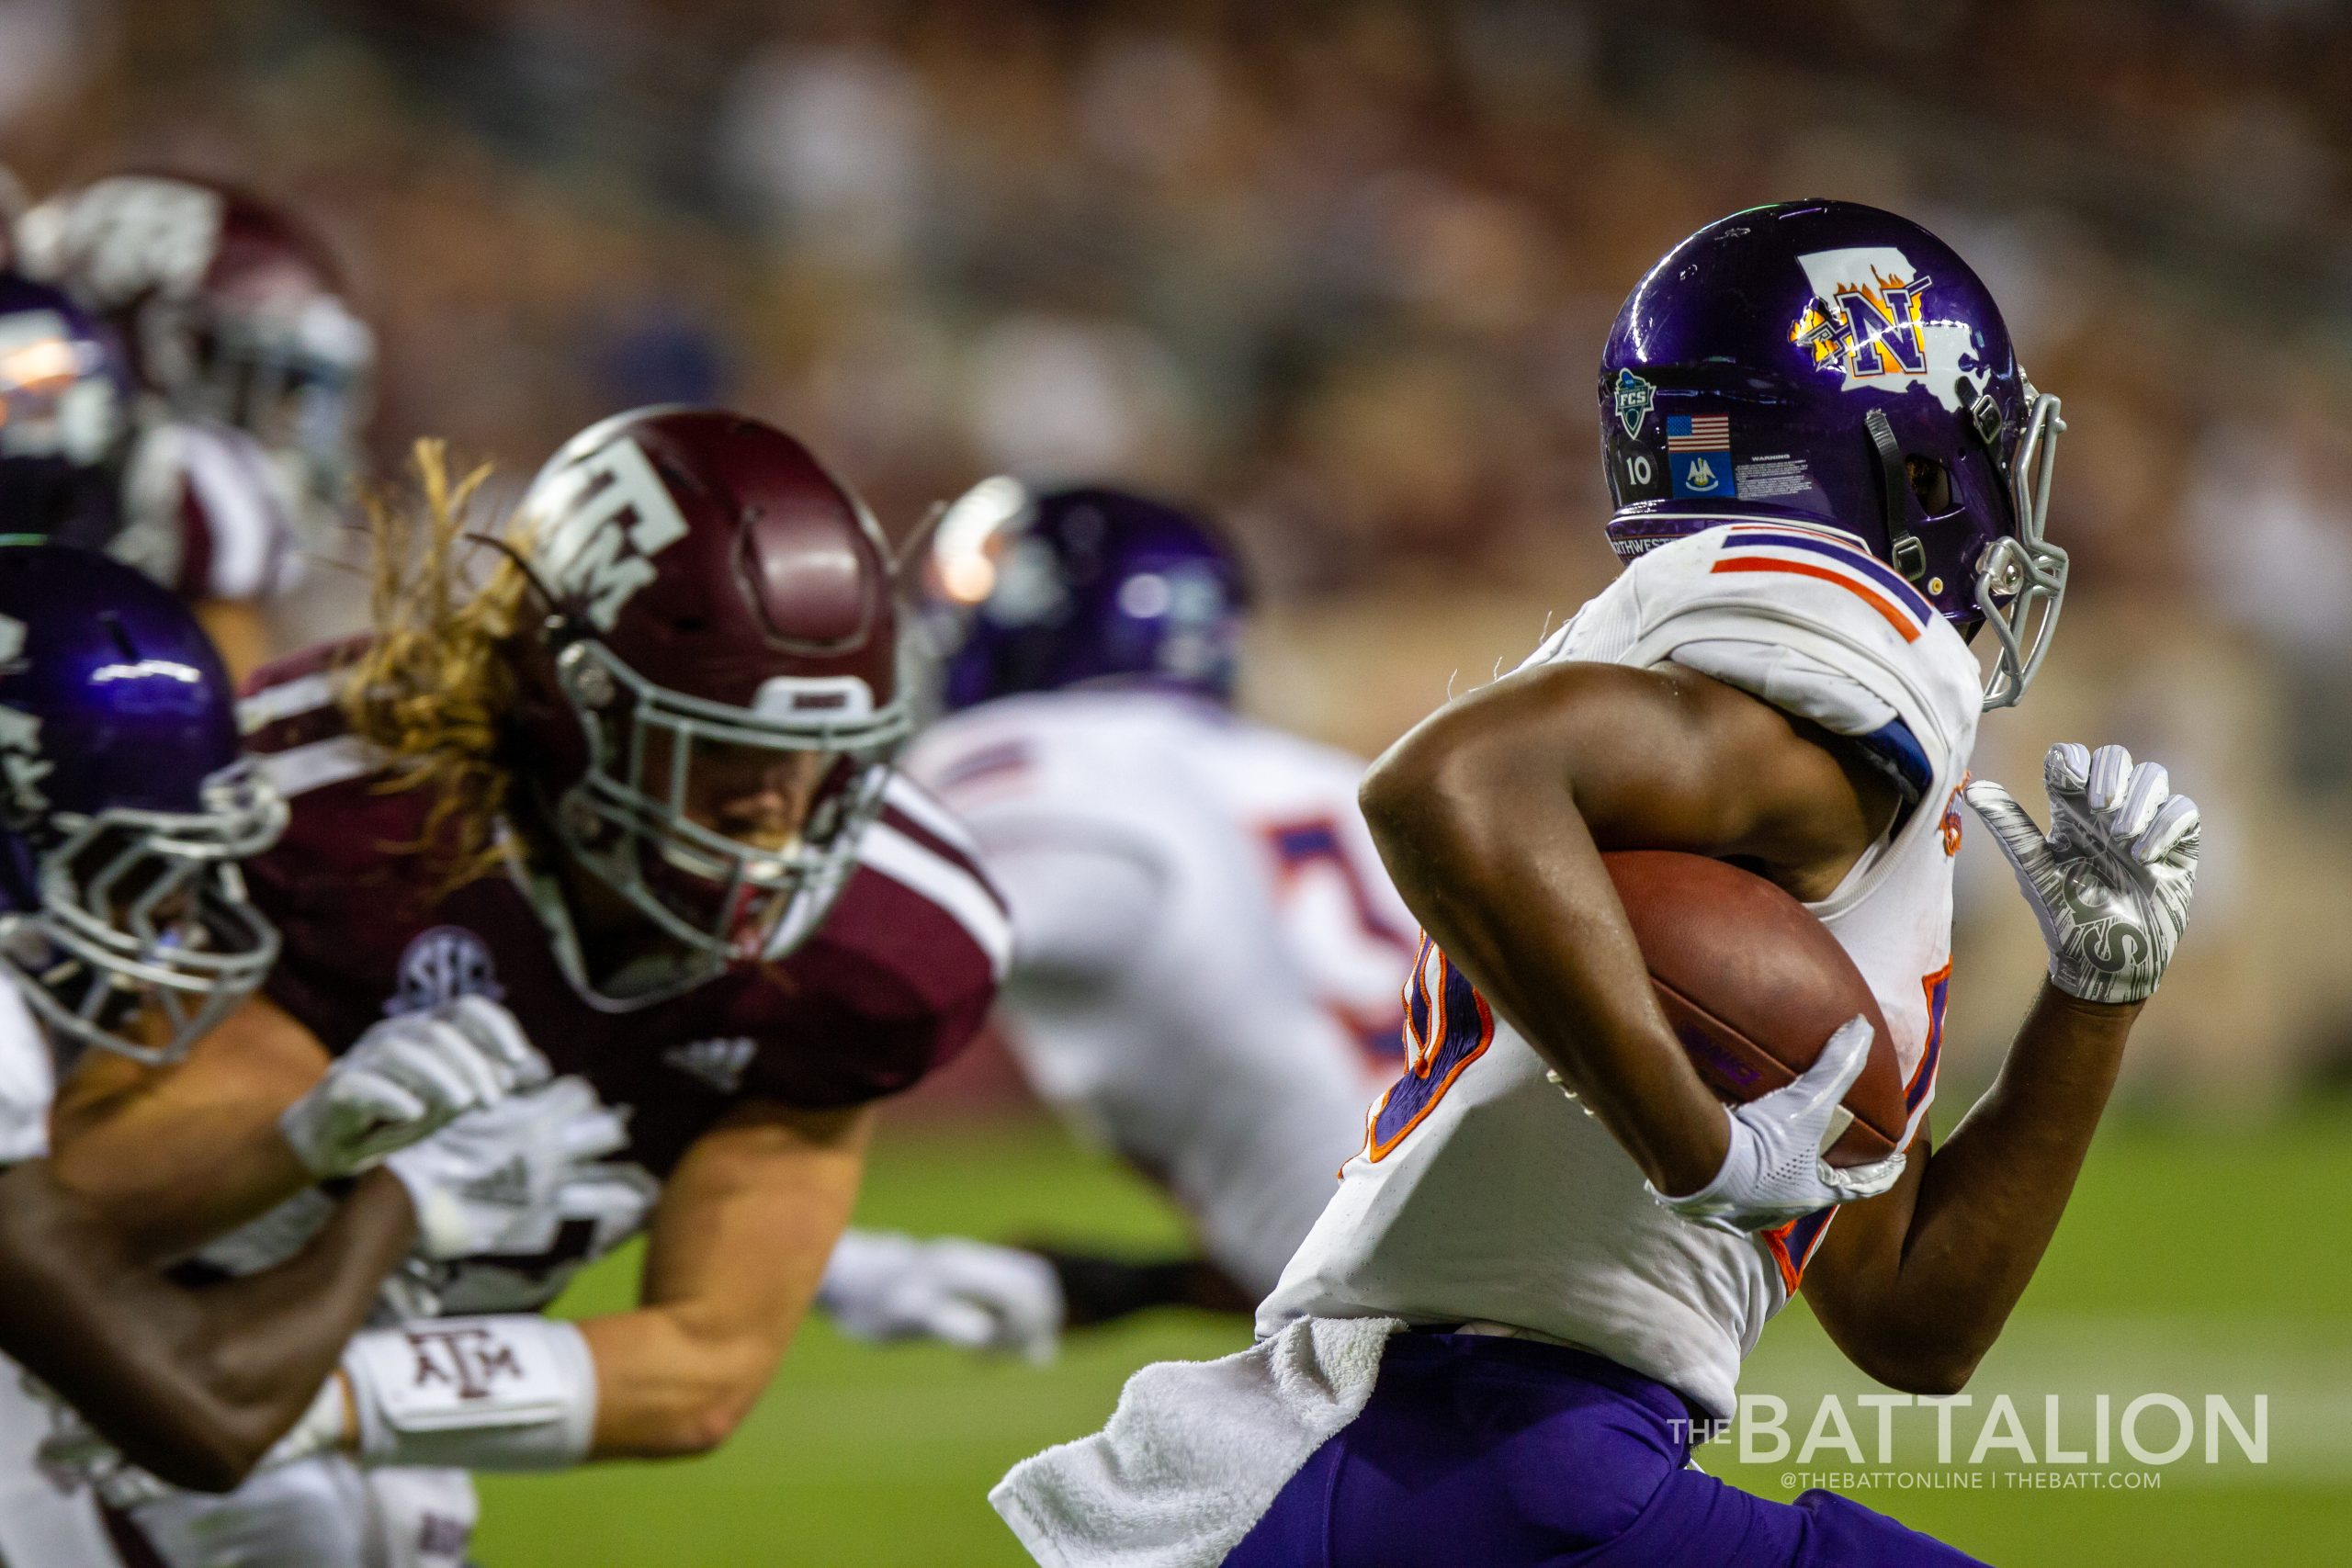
(1930, 482)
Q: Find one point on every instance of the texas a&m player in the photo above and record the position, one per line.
(255, 377)
(638, 791)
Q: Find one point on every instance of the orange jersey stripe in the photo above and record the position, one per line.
(1805, 569)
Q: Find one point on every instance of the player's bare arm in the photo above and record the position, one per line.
(177, 1156)
(192, 1385)
(732, 1260)
(1916, 1285)
(1492, 815)
(257, 1113)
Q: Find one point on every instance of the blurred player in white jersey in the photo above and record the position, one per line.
(1498, 1342)
(125, 932)
(1207, 954)
(253, 378)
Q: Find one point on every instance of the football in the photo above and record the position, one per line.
(1754, 987)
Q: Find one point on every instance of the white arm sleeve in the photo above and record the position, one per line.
(513, 1392)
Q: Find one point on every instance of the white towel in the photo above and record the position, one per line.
(1196, 1452)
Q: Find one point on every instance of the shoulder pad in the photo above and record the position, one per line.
(1802, 616)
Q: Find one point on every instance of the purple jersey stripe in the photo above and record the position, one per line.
(1905, 594)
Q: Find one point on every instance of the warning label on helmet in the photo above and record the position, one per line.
(1767, 477)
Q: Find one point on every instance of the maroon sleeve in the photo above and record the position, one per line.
(336, 894)
(897, 982)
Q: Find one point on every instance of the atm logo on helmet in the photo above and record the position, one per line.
(1865, 323)
(597, 527)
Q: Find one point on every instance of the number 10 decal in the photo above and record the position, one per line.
(1447, 1026)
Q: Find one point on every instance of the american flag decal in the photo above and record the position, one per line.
(1698, 433)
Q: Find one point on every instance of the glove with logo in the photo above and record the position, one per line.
(1773, 1172)
(488, 1172)
(405, 1079)
(880, 1286)
(2111, 881)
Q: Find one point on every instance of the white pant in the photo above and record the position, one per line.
(322, 1513)
(40, 1527)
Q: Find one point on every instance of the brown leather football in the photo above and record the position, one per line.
(1754, 986)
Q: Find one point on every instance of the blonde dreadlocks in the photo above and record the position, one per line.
(433, 684)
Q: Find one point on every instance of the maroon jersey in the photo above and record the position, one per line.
(205, 514)
(894, 983)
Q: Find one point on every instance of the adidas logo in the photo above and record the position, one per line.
(510, 1184)
(718, 1063)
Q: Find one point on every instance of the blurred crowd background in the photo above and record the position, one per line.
(1341, 272)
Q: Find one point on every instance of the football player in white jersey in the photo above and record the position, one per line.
(1207, 953)
(1829, 471)
(125, 811)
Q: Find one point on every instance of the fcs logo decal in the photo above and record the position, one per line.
(440, 964)
(610, 514)
(1635, 399)
(1866, 323)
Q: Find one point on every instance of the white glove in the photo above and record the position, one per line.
(73, 1456)
(2111, 882)
(1773, 1172)
(489, 1171)
(405, 1079)
(880, 1286)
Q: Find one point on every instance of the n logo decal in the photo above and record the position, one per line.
(1865, 323)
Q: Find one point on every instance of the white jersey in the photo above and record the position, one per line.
(321, 1513)
(28, 1079)
(1483, 1194)
(38, 1524)
(1207, 952)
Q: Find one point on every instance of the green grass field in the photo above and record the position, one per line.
(2194, 1262)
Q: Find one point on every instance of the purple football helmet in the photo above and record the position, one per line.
(65, 403)
(1829, 363)
(1029, 591)
(125, 806)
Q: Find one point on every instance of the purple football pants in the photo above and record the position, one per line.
(1479, 1452)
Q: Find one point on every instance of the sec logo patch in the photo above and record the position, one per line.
(441, 965)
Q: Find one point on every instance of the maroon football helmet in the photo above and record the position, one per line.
(723, 631)
(232, 311)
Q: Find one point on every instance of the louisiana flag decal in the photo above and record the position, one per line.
(1698, 453)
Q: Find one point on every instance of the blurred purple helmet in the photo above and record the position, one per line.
(1029, 591)
(1827, 361)
(64, 405)
(125, 806)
